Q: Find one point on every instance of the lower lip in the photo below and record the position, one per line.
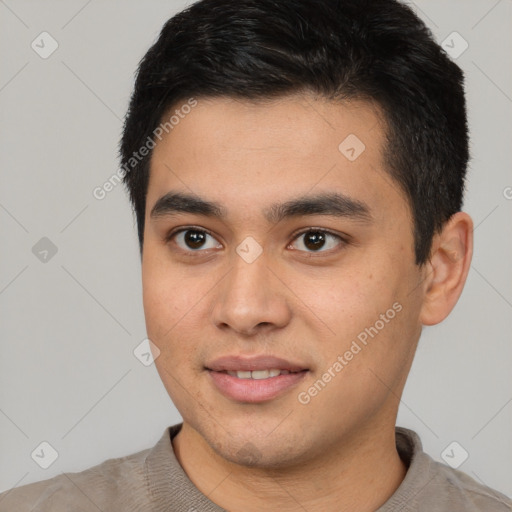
(255, 390)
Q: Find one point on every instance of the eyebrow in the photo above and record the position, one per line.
(329, 204)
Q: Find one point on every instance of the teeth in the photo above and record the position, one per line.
(243, 375)
(258, 374)
(261, 374)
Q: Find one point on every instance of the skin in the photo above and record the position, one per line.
(338, 451)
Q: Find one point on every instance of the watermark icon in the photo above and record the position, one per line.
(507, 193)
(249, 250)
(44, 45)
(44, 455)
(146, 352)
(101, 192)
(351, 147)
(44, 250)
(454, 45)
(304, 397)
(454, 455)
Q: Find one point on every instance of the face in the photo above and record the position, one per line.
(306, 255)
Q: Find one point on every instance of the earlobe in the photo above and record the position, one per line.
(448, 268)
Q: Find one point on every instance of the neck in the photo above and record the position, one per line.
(360, 475)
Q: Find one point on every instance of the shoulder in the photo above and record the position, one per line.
(457, 487)
(116, 481)
(431, 485)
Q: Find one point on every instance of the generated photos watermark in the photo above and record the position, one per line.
(361, 341)
(166, 127)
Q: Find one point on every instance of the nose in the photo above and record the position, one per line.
(251, 299)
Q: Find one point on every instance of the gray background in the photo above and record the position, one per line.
(69, 326)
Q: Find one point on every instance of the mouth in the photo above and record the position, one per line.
(255, 386)
(254, 378)
(259, 374)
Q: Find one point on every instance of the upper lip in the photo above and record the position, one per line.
(250, 363)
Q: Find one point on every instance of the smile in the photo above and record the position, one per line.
(256, 385)
(258, 374)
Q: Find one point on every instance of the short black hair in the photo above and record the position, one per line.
(377, 50)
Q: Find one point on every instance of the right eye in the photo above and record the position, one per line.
(192, 239)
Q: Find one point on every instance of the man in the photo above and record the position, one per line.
(297, 173)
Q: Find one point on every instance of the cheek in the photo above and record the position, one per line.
(346, 300)
(168, 296)
(172, 302)
(365, 315)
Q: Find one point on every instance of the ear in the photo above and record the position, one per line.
(447, 268)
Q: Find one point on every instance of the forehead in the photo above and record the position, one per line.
(242, 153)
(299, 122)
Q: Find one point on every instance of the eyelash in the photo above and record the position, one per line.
(343, 240)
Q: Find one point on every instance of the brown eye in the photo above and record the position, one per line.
(315, 240)
(193, 240)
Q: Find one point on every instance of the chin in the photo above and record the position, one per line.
(256, 451)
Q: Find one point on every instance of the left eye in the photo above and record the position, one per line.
(316, 240)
